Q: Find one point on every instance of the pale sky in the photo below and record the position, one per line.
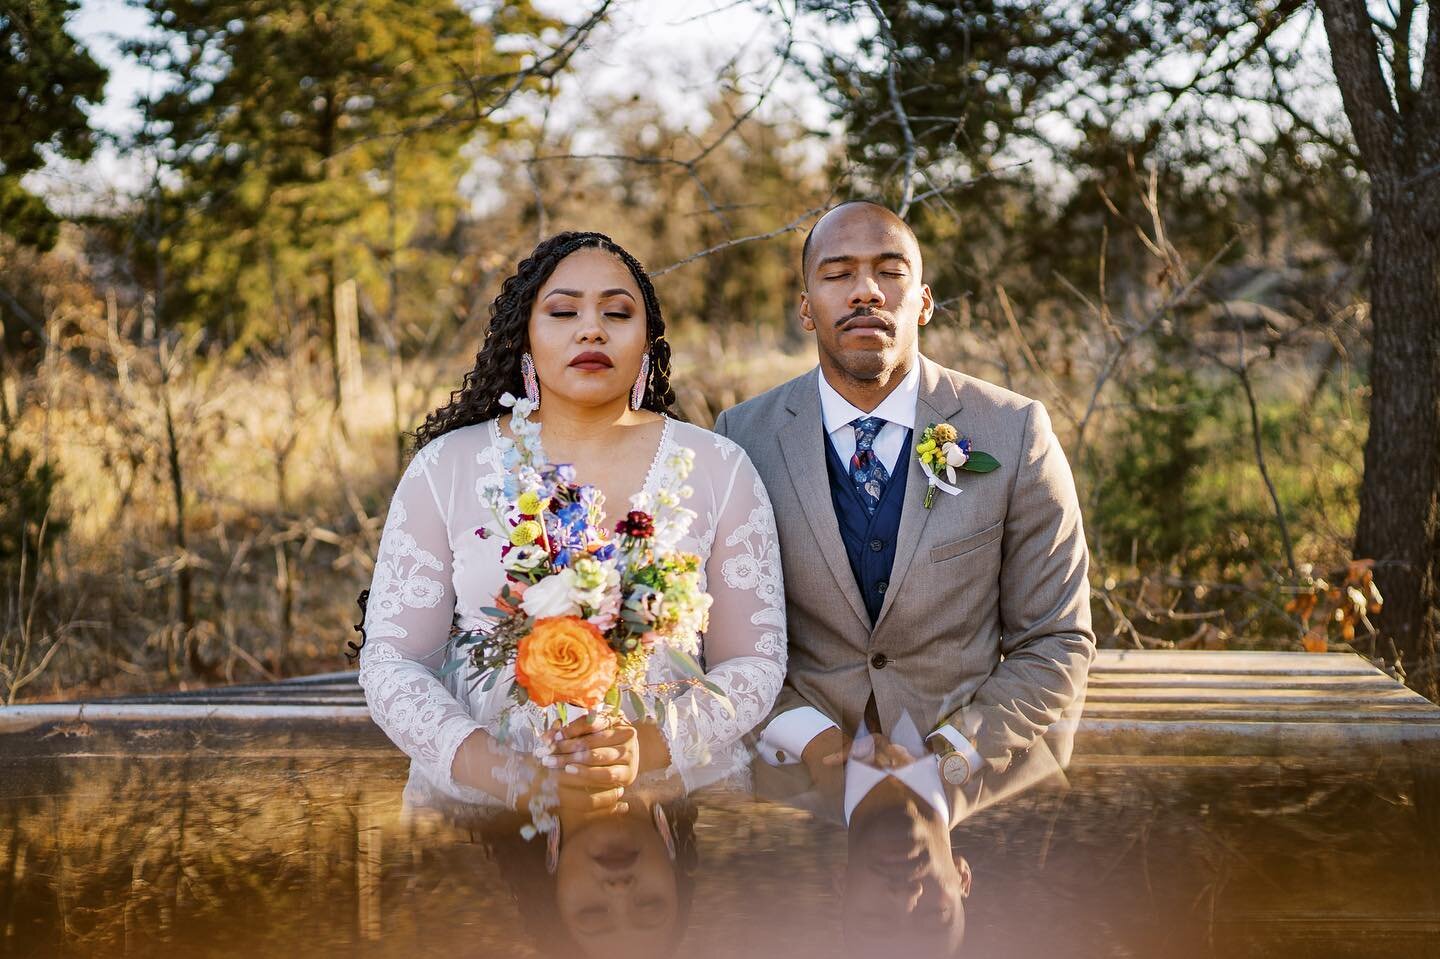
(668, 49)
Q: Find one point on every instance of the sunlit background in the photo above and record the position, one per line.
(247, 246)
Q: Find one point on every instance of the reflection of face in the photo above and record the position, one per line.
(903, 889)
(615, 888)
(587, 330)
(864, 297)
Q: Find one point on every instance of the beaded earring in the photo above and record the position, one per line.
(532, 382)
(642, 383)
(662, 826)
(552, 848)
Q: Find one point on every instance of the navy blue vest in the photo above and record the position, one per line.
(869, 540)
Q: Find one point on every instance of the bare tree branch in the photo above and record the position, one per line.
(892, 85)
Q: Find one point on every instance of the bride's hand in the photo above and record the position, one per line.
(596, 752)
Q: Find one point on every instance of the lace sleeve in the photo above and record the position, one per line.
(407, 630)
(744, 646)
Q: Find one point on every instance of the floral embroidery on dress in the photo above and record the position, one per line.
(433, 568)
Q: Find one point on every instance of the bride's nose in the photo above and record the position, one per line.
(590, 330)
(616, 882)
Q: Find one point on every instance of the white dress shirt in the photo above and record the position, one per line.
(897, 410)
(921, 777)
(787, 735)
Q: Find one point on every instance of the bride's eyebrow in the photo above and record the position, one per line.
(618, 291)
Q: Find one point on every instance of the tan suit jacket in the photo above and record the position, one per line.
(986, 621)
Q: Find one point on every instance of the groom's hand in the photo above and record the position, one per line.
(826, 751)
(824, 758)
(880, 752)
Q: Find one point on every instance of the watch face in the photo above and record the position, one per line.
(954, 769)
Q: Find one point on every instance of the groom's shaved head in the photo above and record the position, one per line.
(836, 213)
(864, 298)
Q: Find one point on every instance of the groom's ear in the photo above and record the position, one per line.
(927, 303)
(807, 322)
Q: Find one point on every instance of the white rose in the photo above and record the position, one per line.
(551, 596)
(954, 455)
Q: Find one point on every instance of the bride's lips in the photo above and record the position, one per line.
(616, 860)
(592, 361)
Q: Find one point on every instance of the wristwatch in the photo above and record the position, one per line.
(954, 765)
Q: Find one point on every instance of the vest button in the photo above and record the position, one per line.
(876, 545)
(879, 661)
(881, 586)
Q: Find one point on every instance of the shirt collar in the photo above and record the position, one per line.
(899, 407)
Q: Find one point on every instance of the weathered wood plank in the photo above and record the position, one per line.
(1334, 706)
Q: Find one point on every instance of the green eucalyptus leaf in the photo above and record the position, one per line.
(684, 662)
(981, 463)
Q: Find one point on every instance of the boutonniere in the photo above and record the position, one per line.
(942, 449)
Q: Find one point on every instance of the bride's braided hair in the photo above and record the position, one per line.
(497, 365)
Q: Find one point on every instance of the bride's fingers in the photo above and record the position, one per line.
(614, 736)
(597, 756)
(577, 774)
(589, 723)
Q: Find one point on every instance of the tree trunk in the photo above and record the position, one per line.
(1399, 141)
(1399, 522)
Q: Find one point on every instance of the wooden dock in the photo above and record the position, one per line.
(1139, 703)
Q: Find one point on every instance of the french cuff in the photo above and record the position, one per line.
(962, 746)
(784, 740)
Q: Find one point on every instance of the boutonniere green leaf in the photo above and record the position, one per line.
(943, 450)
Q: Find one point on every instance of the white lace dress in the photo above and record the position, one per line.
(434, 570)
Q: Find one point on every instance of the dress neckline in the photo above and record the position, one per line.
(652, 475)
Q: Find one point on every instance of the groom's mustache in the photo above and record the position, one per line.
(871, 317)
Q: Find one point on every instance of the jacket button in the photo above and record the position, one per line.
(879, 661)
(876, 545)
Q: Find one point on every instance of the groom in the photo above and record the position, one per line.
(970, 614)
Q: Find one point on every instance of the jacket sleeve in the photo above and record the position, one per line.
(1047, 643)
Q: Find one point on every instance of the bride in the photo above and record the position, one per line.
(578, 331)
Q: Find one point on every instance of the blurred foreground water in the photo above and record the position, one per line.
(290, 851)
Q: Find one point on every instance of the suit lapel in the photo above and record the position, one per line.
(938, 401)
(802, 440)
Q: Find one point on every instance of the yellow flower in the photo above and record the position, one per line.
(526, 533)
(531, 504)
(925, 447)
(945, 433)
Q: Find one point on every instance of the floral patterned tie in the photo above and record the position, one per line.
(866, 471)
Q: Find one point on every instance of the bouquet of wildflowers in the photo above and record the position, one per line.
(584, 609)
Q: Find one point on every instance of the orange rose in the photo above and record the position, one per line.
(565, 659)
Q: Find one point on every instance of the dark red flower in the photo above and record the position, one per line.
(637, 525)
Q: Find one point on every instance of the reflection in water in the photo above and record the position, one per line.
(903, 887)
(604, 884)
(258, 855)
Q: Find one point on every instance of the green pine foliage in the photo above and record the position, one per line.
(47, 82)
(309, 143)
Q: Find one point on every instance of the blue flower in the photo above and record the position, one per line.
(573, 515)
